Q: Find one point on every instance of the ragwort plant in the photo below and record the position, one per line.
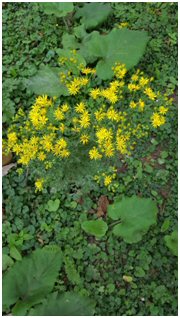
(84, 136)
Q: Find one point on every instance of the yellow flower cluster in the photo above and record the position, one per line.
(107, 122)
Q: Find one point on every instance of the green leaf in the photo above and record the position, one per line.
(80, 31)
(93, 14)
(59, 9)
(136, 216)
(127, 279)
(97, 228)
(53, 206)
(165, 225)
(69, 41)
(14, 253)
(172, 242)
(68, 304)
(33, 277)
(6, 262)
(71, 271)
(124, 46)
(47, 81)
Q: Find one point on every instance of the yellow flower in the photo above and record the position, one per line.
(84, 139)
(94, 154)
(41, 156)
(163, 110)
(143, 81)
(88, 70)
(110, 95)
(112, 114)
(149, 92)
(73, 87)
(85, 120)
(133, 87)
(135, 77)
(39, 184)
(12, 139)
(43, 101)
(123, 25)
(62, 128)
(46, 142)
(132, 104)
(107, 180)
(95, 93)
(84, 81)
(64, 153)
(141, 104)
(65, 108)
(157, 120)
(80, 108)
(99, 114)
(59, 115)
(119, 70)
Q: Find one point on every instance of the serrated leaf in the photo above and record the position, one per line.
(47, 81)
(172, 242)
(123, 46)
(97, 228)
(68, 304)
(59, 9)
(136, 216)
(93, 14)
(33, 277)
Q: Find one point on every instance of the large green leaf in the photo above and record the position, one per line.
(68, 304)
(97, 228)
(172, 242)
(123, 46)
(47, 81)
(93, 14)
(136, 216)
(59, 9)
(33, 277)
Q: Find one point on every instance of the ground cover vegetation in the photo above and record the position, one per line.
(90, 115)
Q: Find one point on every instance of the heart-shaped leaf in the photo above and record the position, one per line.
(136, 216)
(53, 206)
(93, 14)
(123, 46)
(59, 9)
(97, 228)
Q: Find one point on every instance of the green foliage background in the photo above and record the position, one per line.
(96, 266)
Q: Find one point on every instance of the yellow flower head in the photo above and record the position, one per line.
(84, 139)
(39, 184)
(94, 154)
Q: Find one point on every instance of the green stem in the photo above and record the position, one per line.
(114, 223)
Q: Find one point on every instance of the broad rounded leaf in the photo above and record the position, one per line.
(47, 81)
(97, 228)
(34, 276)
(93, 14)
(172, 242)
(69, 41)
(68, 304)
(59, 9)
(136, 216)
(53, 206)
(123, 46)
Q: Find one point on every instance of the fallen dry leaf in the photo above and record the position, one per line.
(6, 169)
(102, 206)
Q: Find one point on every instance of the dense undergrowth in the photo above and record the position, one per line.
(122, 279)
